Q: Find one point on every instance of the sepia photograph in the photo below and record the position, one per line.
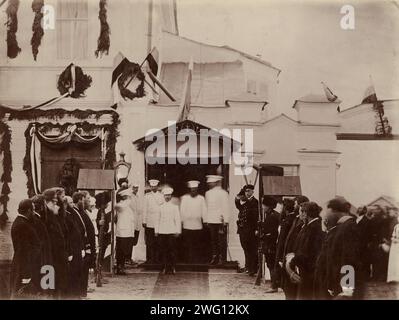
(214, 153)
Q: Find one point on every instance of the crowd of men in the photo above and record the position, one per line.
(54, 246)
(306, 250)
(312, 254)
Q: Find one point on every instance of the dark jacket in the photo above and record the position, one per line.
(320, 283)
(27, 257)
(344, 251)
(90, 240)
(248, 215)
(285, 227)
(269, 233)
(45, 243)
(59, 247)
(307, 249)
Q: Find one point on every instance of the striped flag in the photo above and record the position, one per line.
(152, 60)
(120, 63)
(184, 108)
(329, 94)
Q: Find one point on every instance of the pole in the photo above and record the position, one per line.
(260, 225)
(135, 75)
(112, 233)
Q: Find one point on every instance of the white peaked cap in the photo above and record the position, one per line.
(153, 182)
(135, 185)
(167, 190)
(193, 183)
(213, 178)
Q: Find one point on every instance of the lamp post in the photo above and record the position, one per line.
(121, 169)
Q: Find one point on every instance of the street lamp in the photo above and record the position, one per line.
(122, 169)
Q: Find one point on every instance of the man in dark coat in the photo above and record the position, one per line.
(320, 284)
(290, 289)
(308, 246)
(248, 216)
(76, 249)
(89, 260)
(365, 237)
(286, 222)
(269, 237)
(38, 221)
(343, 252)
(25, 281)
(56, 229)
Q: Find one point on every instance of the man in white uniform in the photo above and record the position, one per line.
(193, 213)
(217, 202)
(167, 229)
(152, 203)
(136, 207)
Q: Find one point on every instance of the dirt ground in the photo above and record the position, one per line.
(215, 284)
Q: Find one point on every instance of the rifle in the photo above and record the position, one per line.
(260, 236)
(100, 247)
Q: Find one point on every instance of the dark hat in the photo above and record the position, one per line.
(249, 186)
(301, 199)
(269, 201)
(24, 206)
(242, 192)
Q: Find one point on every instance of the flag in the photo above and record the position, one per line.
(329, 95)
(184, 108)
(152, 60)
(120, 63)
(369, 95)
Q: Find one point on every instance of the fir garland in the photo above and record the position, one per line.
(103, 41)
(132, 70)
(112, 130)
(12, 27)
(82, 82)
(37, 28)
(7, 168)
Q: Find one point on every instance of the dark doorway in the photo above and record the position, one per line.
(61, 163)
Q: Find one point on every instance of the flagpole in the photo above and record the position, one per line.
(376, 106)
(135, 75)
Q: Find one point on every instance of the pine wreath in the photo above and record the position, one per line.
(103, 41)
(12, 27)
(131, 70)
(37, 28)
(5, 178)
(82, 82)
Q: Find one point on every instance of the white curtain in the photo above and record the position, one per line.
(72, 29)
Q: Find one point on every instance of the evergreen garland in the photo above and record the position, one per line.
(12, 27)
(7, 168)
(82, 82)
(132, 70)
(103, 41)
(37, 28)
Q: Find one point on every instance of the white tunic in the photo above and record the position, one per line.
(125, 222)
(135, 205)
(168, 220)
(152, 202)
(193, 211)
(217, 202)
(393, 265)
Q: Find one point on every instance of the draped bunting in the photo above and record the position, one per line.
(71, 134)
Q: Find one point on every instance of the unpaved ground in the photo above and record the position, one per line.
(216, 284)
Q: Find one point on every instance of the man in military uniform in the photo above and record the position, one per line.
(248, 216)
(269, 237)
(217, 201)
(193, 211)
(152, 203)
